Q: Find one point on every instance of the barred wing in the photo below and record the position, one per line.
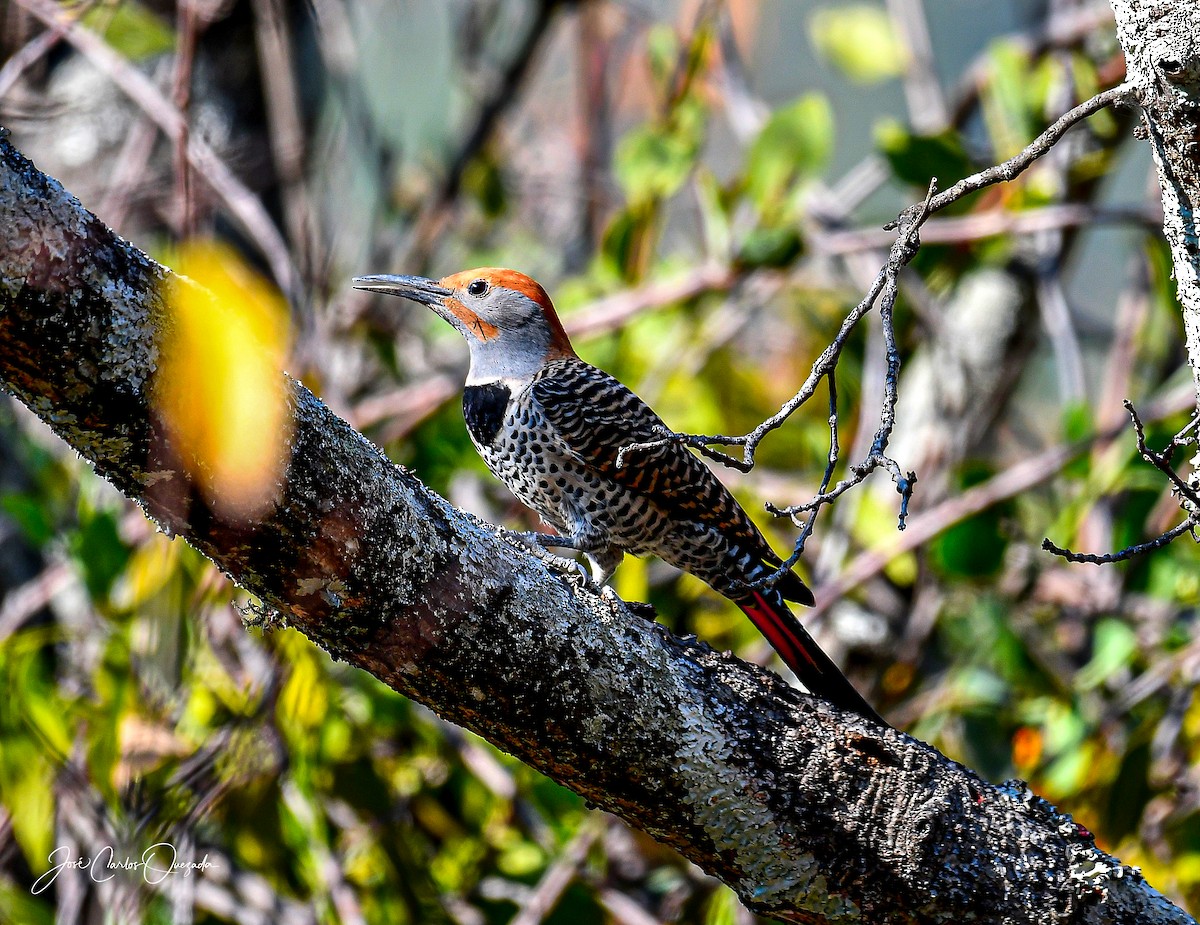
(597, 417)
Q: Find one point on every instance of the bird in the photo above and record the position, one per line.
(552, 428)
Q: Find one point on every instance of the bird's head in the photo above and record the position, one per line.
(507, 319)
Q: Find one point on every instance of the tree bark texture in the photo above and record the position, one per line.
(1161, 40)
(809, 814)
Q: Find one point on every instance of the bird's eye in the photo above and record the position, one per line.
(478, 287)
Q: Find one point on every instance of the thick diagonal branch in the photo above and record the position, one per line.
(809, 814)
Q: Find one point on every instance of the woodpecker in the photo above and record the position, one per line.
(551, 427)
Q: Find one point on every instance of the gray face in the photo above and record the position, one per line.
(507, 331)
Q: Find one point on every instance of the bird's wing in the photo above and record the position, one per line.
(597, 416)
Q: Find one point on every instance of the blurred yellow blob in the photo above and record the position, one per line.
(220, 388)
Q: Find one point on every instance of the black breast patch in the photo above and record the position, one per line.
(484, 407)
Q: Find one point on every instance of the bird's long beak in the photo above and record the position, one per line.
(418, 288)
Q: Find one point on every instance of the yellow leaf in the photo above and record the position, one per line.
(220, 389)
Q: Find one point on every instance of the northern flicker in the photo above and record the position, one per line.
(551, 426)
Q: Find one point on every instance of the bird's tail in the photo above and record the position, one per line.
(815, 669)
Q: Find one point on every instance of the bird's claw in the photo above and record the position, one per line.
(569, 567)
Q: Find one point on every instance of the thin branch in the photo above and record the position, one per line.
(558, 876)
(1161, 462)
(35, 49)
(1060, 329)
(963, 229)
(241, 202)
(902, 251)
(824, 365)
(927, 109)
(884, 288)
(1188, 526)
(285, 119)
(1014, 166)
(1012, 481)
(186, 32)
(504, 93)
(835, 449)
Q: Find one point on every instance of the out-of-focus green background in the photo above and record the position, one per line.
(701, 186)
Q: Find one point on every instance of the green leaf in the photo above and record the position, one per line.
(131, 29)
(31, 516)
(100, 552)
(1113, 648)
(794, 144)
(27, 782)
(715, 213)
(916, 159)
(484, 180)
(16, 905)
(723, 907)
(770, 247)
(653, 160)
(626, 239)
(973, 548)
(1078, 422)
(1008, 119)
(662, 51)
(860, 40)
(1067, 774)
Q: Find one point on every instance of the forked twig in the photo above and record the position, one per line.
(1189, 497)
(884, 290)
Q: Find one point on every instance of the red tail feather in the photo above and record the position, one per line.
(800, 652)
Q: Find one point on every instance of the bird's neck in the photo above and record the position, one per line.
(510, 361)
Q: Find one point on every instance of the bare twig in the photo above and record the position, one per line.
(1188, 526)
(902, 252)
(835, 450)
(1060, 329)
(613, 311)
(243, 205)
(23, 602)
(884, 289)
(1190, 499)
(595, 126)
(959, 229)
(543, 898)
(285, 119)
(1163, 462)
(186, 31)
(129, 174)
(1014, 166)
(1012, 481)
(504, 93)
(926, 103)
(34, 50)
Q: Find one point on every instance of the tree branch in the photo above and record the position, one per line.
(1162, 60)
(810, 814)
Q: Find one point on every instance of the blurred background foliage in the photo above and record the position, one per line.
(701, 185)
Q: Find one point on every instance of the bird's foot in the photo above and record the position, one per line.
(570, 568)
